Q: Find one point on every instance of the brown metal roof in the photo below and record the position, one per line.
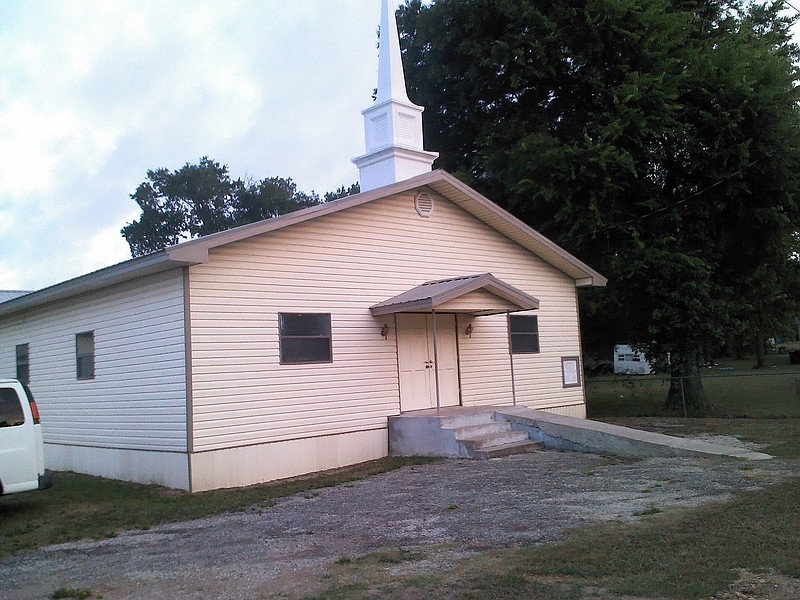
(433, 294)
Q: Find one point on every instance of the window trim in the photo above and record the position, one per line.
(511, 335)
(23, 364)
(79, 355)
(282, 336)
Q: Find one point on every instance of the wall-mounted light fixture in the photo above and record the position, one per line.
(468, 330)
(385, 331)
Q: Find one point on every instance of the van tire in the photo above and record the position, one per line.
(45, 481)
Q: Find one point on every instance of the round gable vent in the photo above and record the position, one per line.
(423, 202)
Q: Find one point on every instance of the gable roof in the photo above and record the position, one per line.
(434, 294)
(6, 295)
(196, 251)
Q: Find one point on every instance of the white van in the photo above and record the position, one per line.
(21, 448)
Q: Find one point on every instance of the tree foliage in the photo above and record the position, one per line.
(201, 199)
(656, 140)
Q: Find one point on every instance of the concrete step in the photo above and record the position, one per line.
(473, 417)
(498, 438)
(479, 429)
(507, 449)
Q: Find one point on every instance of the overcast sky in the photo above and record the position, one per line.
(93, 93)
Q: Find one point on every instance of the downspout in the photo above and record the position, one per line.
(435, 360)
(187, 341)
(511, 360)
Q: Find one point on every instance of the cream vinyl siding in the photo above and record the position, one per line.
(478, 298)
(341, 264)
(137, 399)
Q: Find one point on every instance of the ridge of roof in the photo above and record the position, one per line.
(453, 279)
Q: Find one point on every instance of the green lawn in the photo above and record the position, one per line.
(734, 388)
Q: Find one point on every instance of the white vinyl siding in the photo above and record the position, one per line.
(341, 264)
(137, 398)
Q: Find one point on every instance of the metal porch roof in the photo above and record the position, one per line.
(433, 294)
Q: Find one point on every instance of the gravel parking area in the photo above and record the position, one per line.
(461, 504)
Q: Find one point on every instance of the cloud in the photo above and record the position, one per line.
(94, 93)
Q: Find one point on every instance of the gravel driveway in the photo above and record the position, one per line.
(468, 505)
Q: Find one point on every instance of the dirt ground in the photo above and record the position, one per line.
(460, 505)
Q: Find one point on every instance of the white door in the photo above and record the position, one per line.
(416, 361)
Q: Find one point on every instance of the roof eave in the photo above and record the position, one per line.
(119, 273)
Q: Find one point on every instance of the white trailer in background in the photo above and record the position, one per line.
(628, 361)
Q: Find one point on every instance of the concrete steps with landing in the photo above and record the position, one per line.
(468, 433)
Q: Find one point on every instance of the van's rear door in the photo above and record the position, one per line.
(19, 470)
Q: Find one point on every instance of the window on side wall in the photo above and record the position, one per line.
(23, 363)
(84, 354)
(524, 333)
(305, 338)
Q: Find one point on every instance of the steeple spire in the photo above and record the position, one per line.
(393, 124)
(391, 78)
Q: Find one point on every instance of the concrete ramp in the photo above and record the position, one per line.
(490, 431)
(583, 435)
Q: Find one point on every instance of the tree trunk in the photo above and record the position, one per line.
(686, 394)
(760, 344)
(740, 349)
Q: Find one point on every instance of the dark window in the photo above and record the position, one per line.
(524, 333)
(305, 337)
(23, 363)
(11, 413)
(84, 353)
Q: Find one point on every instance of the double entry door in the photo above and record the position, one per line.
(416, 361)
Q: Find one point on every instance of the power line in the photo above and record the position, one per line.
(685, 200)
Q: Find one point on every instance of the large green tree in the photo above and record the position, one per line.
(200, 199)
(657, 140)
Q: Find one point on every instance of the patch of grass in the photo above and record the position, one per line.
(374, 575)
(81, 506)
(78, 593)
(681, 553)
(780, 437)
(513, 585)
(734, 389)
(653, 510)
(392, 556)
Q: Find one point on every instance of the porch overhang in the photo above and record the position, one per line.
(475, 295)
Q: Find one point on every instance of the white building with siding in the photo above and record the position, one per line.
(281, 347)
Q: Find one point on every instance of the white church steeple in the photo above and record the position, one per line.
(393, 124)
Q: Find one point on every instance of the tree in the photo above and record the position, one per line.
(201, 199)
(656, 140)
